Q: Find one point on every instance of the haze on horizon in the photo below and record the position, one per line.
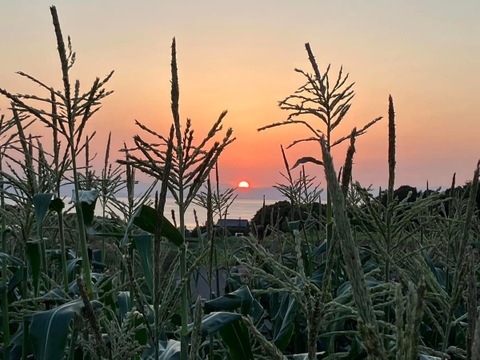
(241, 57)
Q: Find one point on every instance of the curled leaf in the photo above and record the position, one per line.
(307, 159)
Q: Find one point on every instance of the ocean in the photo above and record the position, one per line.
(240, 209)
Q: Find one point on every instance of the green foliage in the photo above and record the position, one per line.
(88, 200)
(49, 329)
(392, 276)
(284, 314)
(146, 217)
(235, 336)
(144, 246)
(279, 214)
(41, 202)
(34, 254)
(239, 299)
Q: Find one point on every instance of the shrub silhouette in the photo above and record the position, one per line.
(280, 213)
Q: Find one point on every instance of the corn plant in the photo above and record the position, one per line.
(301, 190)
(7, 139)
(221, 201)
(31, 190)
(405, 270)
(328, 102)
(190, 167)
(368, 323)
(69, 114)
(217, 204)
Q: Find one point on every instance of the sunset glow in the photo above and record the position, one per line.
(242, 59)
(243, 184)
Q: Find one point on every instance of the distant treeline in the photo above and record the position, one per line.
(279, 214)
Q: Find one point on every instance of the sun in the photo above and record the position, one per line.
(243, 184)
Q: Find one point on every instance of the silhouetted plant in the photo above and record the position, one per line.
(301, 190)
(69, 114)
(328, 103)
(7, 137)
(190, 167)
(368, 325)
(405, 286)
(221, 200)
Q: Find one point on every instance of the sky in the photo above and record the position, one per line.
(241, 56)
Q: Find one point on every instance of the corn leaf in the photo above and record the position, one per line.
(232, 331)
(235, 336)
(307, 159)
(11, 260)
(16, 344)
(41, 204)
(144, 246)
(168, 350)
(33, 254)
(124, 304)
(240, 298)
(49, 329)
(88, 200)
(215, 321)
(146, 217)
(284, 321)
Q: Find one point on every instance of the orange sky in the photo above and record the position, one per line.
(240, 56)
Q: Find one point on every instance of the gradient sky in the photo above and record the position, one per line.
(240, 56)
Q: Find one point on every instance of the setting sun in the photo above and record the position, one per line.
(243, 184)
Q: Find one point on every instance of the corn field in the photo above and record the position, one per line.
(372, 277)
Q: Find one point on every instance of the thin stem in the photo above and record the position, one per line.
(63, 249)
(175, 95)
(58, 171)
(160, 207)
(390, 191)
(26, 336)
(71, 143)
(391, 149)
(81, 230)
(5, 313)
